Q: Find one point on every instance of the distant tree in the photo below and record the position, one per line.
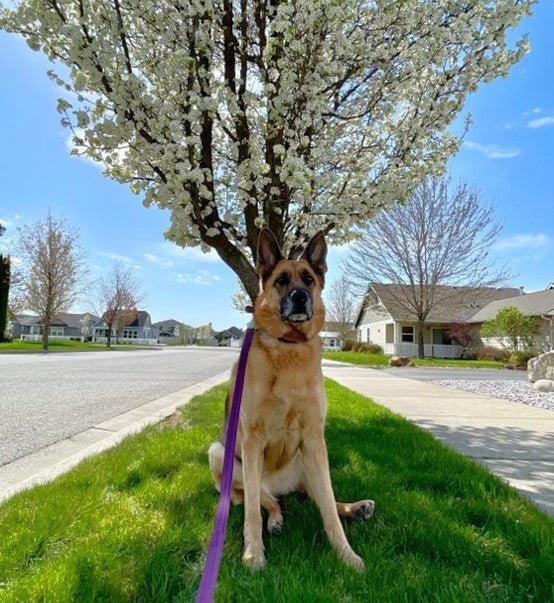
(5, 264)
(16, 302)
(299, 116)
(119, 295)
(515, 331)
(52, 269)
(441, 236)
(340, 306)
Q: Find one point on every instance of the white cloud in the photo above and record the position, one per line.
(523, 241)
(158, 260)
(116, 257)
(201, 277)
(492, 151)
(188, 253)
(541, 122)
(123, 259)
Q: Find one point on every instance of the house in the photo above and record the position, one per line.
(539, 304)
(231, 337)
(64, 326)
(384, 319)
(136, 328)
(167, 328)
(334, 334)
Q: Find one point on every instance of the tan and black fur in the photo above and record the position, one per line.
(280, 444)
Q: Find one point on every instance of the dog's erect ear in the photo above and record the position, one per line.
(316, 253)
(269, 253)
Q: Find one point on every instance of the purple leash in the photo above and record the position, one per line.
(215, 549)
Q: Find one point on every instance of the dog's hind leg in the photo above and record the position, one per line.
(275, 516)
(358, 511)
(268, 501)
(215, 455)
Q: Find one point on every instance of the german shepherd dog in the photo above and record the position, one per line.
(280, 444)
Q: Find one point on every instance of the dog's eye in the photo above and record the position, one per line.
(308, 278)
(282, 280)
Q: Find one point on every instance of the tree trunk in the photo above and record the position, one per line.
(45, 336)
(420, 344)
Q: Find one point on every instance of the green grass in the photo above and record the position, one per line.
(457, 363)
(60, 345)
(360, 358)
(365, 359)
(133, 523)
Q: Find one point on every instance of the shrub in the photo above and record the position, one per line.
(358, 346)
(520, 359)
(492, 353)
(374, 348)
(348, 346)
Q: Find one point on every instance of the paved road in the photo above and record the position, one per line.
(45, 398)
(446, 374)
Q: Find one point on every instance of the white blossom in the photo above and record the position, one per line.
(301, 115)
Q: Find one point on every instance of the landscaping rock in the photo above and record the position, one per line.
(544, 385)
(541, 367)
(399, 361)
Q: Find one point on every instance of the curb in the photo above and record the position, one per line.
(45, 465)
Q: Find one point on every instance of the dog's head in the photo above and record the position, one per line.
(289, 305)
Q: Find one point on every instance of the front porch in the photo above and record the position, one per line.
(431, 350)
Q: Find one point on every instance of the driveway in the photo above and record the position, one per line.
(45, 398)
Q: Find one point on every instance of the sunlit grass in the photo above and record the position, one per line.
(133, 523)
(366, 359)
(61, 345)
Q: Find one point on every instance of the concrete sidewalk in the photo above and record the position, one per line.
(514, 441)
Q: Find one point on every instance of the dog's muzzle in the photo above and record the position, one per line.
(296, 306)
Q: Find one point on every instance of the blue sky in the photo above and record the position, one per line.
(508, 156)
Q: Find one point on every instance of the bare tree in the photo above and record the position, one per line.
(119, 296)
(341, 305)
(52, 269)
(441, 236)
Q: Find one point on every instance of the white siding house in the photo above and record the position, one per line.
(385, 320)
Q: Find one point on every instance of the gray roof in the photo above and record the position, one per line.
(63, 318)
(530, 304)
(452, 304)
(167, 324)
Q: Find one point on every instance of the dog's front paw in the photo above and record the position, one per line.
(253, 557)
(353, 560)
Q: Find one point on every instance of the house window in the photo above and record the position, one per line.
(368, 336)
(56, 331)
(407, 334)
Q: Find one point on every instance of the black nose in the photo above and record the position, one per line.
(296, 306)
(299, 297)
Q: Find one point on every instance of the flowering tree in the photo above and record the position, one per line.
(238, 114)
